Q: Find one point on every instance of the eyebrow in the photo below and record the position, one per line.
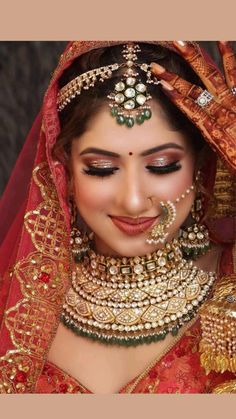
(102, 152)
(161, 147)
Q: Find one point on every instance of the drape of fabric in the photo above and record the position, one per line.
(35, 253)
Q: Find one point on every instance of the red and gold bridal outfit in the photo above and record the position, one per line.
(35, 270)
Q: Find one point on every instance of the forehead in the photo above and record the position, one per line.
(104, 132)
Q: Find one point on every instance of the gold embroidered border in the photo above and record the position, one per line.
(43, 277)
(46, 223)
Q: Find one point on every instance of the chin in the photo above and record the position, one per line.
(129, 246)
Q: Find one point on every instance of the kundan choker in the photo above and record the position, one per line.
(134, 300)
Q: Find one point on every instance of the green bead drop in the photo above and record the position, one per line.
(78, 258)
(140, 119)
(175, 331)
(120, 119)
(159, 337)
(129, 122)
(147, 114)
(114, 111)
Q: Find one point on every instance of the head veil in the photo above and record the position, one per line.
(34, 238)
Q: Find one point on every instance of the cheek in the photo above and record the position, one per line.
(91, 194)
(173, 186)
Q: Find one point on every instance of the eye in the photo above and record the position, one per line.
(100, 172)
(164, 169)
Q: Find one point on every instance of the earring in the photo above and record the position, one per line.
(194, 240)
(158, 233)
(80, 241)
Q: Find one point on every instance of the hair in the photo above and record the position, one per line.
(77, 114)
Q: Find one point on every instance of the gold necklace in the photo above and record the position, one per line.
(128, 301)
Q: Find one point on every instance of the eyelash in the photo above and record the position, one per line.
(173, 167)
(94, 171)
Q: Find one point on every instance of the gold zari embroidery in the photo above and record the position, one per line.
(42, 277)
(222, 203)
(46, 223)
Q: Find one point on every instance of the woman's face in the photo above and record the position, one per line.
(115, 171)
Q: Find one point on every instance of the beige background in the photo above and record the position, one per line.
(118, 19)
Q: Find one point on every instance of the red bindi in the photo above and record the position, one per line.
(130, 153)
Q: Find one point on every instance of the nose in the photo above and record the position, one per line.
(132, 196)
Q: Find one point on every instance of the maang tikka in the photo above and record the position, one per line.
(128, 100)
(130, 93)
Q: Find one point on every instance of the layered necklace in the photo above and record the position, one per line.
(134, 300)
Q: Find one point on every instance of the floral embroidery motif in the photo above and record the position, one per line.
(54, 380)
(42, 277)
(18, 372)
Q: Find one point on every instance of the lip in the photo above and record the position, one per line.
(132, 226)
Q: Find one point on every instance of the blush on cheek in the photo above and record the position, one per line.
(173, 187)
(91, 197)
(185, 178)
(180, 187)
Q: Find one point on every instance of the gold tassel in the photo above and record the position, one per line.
(218, 322)
(227, 387)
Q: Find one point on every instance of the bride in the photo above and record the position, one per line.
(118, 270)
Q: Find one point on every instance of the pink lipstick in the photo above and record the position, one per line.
(133, 226)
